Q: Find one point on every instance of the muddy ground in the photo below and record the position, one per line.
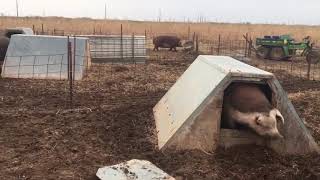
(44, 136)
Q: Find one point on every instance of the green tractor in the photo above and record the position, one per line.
(285, 47)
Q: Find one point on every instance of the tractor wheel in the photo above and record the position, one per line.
(313, 57)
(262, 52)
(277, 53)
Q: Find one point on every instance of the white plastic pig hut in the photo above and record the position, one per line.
(189, 115)
(45, 57)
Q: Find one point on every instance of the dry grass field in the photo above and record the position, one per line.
(205, 30)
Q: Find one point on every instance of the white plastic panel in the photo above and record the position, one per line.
(191, 89)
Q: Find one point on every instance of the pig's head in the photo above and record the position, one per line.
(264, 124)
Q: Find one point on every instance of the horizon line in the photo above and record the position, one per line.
(164, 20)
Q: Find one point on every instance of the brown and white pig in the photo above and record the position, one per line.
(245, 105)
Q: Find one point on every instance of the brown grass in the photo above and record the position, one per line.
(206, 30)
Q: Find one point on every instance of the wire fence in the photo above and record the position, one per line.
(297, 67)
(101, 39)
(115, 82)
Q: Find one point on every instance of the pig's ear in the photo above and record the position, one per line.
(276, 113)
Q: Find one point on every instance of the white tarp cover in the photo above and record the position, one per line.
(43, 57)
(133, 170)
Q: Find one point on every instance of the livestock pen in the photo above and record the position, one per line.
(109, 119)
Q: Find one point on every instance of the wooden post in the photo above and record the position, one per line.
(33, 29)
(42, 29)
(194, 37)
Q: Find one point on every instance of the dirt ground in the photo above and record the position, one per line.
(111, 121)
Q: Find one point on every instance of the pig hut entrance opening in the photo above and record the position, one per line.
(242, 135)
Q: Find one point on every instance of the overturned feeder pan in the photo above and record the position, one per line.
(189, 115)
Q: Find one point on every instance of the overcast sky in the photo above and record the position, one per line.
(254, 11)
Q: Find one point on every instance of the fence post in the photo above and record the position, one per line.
(20, 59)
(74, 58)
(219, 43)
(197, 44)
(189, 32)
(70, 71)
(309, 71)
(246, 49)
(121, 43)
(250, 48)
(33, 29)
(34, 62)
(132, 46)
(48, 67)
(194, 37)
(42, 29)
